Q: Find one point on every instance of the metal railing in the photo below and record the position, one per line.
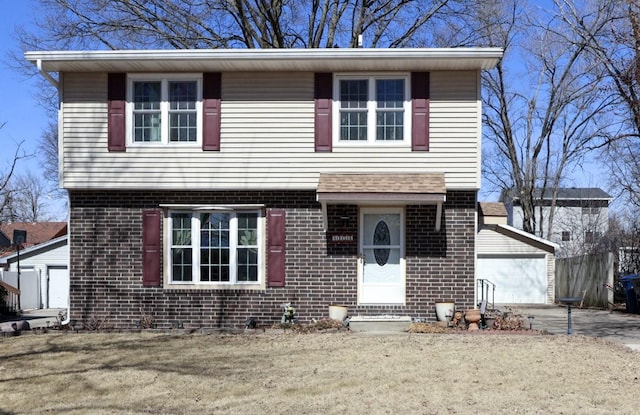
(486, 287)
(12, 297)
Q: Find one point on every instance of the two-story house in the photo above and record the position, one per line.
(580, 217)
(210, 186)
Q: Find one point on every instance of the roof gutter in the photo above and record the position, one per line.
(46, 75)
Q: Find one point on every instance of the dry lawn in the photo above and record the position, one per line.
(319, 373)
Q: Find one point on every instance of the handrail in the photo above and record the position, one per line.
(13, 295)
(485, 284)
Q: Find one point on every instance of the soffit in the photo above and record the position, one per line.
(224, 60)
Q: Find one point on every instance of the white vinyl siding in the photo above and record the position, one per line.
(267, 139)
(492, 242)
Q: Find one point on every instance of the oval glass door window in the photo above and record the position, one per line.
(381, 236)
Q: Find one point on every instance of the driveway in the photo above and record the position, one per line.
(615, 326)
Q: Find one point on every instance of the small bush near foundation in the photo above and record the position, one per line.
(319, 325)
(94, 324)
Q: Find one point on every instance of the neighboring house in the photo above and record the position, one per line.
(513, 267)
(37, 233)
(44, 273)
(44, 259)
(207, 187)
(581, 217)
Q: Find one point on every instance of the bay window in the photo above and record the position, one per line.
(215, 247)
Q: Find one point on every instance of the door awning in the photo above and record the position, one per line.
(382, 189)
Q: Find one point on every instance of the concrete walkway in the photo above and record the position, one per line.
(36, 318)
(615, 326)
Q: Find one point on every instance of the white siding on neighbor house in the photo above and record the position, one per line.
(491, 242)
(568, 219)
(267, 139)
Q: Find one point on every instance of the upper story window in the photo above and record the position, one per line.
(164, 109)
(372, 109)
(215, 247)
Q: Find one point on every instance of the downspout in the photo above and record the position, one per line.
(56, 84)
(47, 76)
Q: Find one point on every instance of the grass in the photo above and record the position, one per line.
(332, 373)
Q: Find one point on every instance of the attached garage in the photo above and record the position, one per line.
(520, 265)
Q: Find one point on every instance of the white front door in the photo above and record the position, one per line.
(381, 278)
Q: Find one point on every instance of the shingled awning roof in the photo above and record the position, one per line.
(493, 209)
(382, 188)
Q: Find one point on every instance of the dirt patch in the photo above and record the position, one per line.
(332, 373)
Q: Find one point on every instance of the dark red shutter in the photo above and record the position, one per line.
(116, 95)
(420, 111)
(276, 219)
(323, 94)
(151, 220)
(211, 99)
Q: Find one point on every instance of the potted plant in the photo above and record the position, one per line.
(445, 310)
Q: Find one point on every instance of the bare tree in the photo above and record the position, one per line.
(48, 153)
(179, 24)
(611, 31)
(7, 173)
(31, 198)
(542, 124)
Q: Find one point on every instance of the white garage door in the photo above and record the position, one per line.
(58, 287)
(521, 280)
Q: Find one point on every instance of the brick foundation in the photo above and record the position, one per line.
(106, 261)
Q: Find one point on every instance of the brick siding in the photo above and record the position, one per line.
(106, 261)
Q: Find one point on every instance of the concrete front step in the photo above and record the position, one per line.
(383, 323)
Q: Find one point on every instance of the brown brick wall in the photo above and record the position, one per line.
(106, 258)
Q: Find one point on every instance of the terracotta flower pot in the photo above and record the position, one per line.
(472, 317)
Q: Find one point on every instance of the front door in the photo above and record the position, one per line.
(381, 271)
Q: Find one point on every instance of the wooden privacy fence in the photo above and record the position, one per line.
(10, 304)
(586, 277)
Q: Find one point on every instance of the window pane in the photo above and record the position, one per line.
(181, 229)
(183, 95)
(182, 126)
(389, 125)
(182, 111)
(146, 126)
(181, 251)
(390, 93)
(247, 252)
(214, 247)
(181, 264)
(146, 95)
(353, 126)
(354, 93)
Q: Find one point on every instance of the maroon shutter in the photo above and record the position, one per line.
(323, 101)
(151, 220)
(116, 95)
(211, 99)
(276, 247)
(420, 111)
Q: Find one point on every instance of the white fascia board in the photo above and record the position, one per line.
(528, 235)
(334, 59)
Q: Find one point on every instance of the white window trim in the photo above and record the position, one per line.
(195, 246)
(164, 108)
(371, 110)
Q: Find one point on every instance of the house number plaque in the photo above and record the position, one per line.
(342, 238)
